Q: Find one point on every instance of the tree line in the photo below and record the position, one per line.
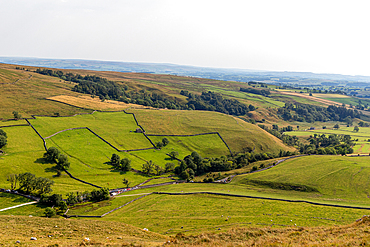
(332, 144)
(29, 184)
(106, 89)
(310, 113)
(263, 92)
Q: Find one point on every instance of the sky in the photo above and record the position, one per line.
(307, 36)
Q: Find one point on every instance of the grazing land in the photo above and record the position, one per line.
(254, 206)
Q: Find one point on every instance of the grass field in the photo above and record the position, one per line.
(202, 213)
(28, 95)
(115, 127)
(342, 180)
(9, 200)
(237, 133)
(206, 145)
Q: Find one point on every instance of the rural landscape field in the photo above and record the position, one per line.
(136, 159)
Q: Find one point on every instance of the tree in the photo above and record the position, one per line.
(126, 182)
(62, 206)
(52, 154)
(17, 115)
(173, 154)
(148, 167)
(62, 162)
(356, 129)
(125, 164)
(114, 160)
(165, 141)
(71, 198)
(3, 141)
(49, 212)
(158, 169)
(43, 185)
(27, 182)
(336, 126)
(159, 145)
(13, 179)
(3, 133)
(169, 167)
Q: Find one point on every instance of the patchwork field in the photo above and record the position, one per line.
(237, 133)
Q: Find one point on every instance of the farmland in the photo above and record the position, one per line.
(90, 130)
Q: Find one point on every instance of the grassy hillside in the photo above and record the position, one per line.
(342, 180)
(73, 232)
(237, 133)
(26, 92)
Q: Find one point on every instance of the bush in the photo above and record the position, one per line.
(49, 212)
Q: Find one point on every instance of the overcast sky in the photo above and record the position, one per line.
(316, 36)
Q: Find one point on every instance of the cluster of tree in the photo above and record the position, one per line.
(59, 205)
(89, 84)
(30, 184)
(332, 144)
(363, 124)
(162, 143)
(210, 101)
(150, 168)
(243, 159)
(3, 138)
(120, 164)
(194, 164)
(310, 113)
(53, 155)
(279, 133)
(263, 92)
(146, 98)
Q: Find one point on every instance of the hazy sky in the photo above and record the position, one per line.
(317, 36)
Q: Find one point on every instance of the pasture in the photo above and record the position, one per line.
(118, 128)
(237, 133)
(339, 179)
(201, 213)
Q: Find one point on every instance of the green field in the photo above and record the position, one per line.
(237, 133)
(206, 145)
(115, 127)
(339, 180)
(199, 213)
(9, 200)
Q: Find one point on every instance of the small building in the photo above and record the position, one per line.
(139, 130)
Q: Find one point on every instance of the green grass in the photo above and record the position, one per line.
(342, 180)
(115, 127)
(205, 145)
(9, 200)
(237, 133)
(201, 213)
(24, 153)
